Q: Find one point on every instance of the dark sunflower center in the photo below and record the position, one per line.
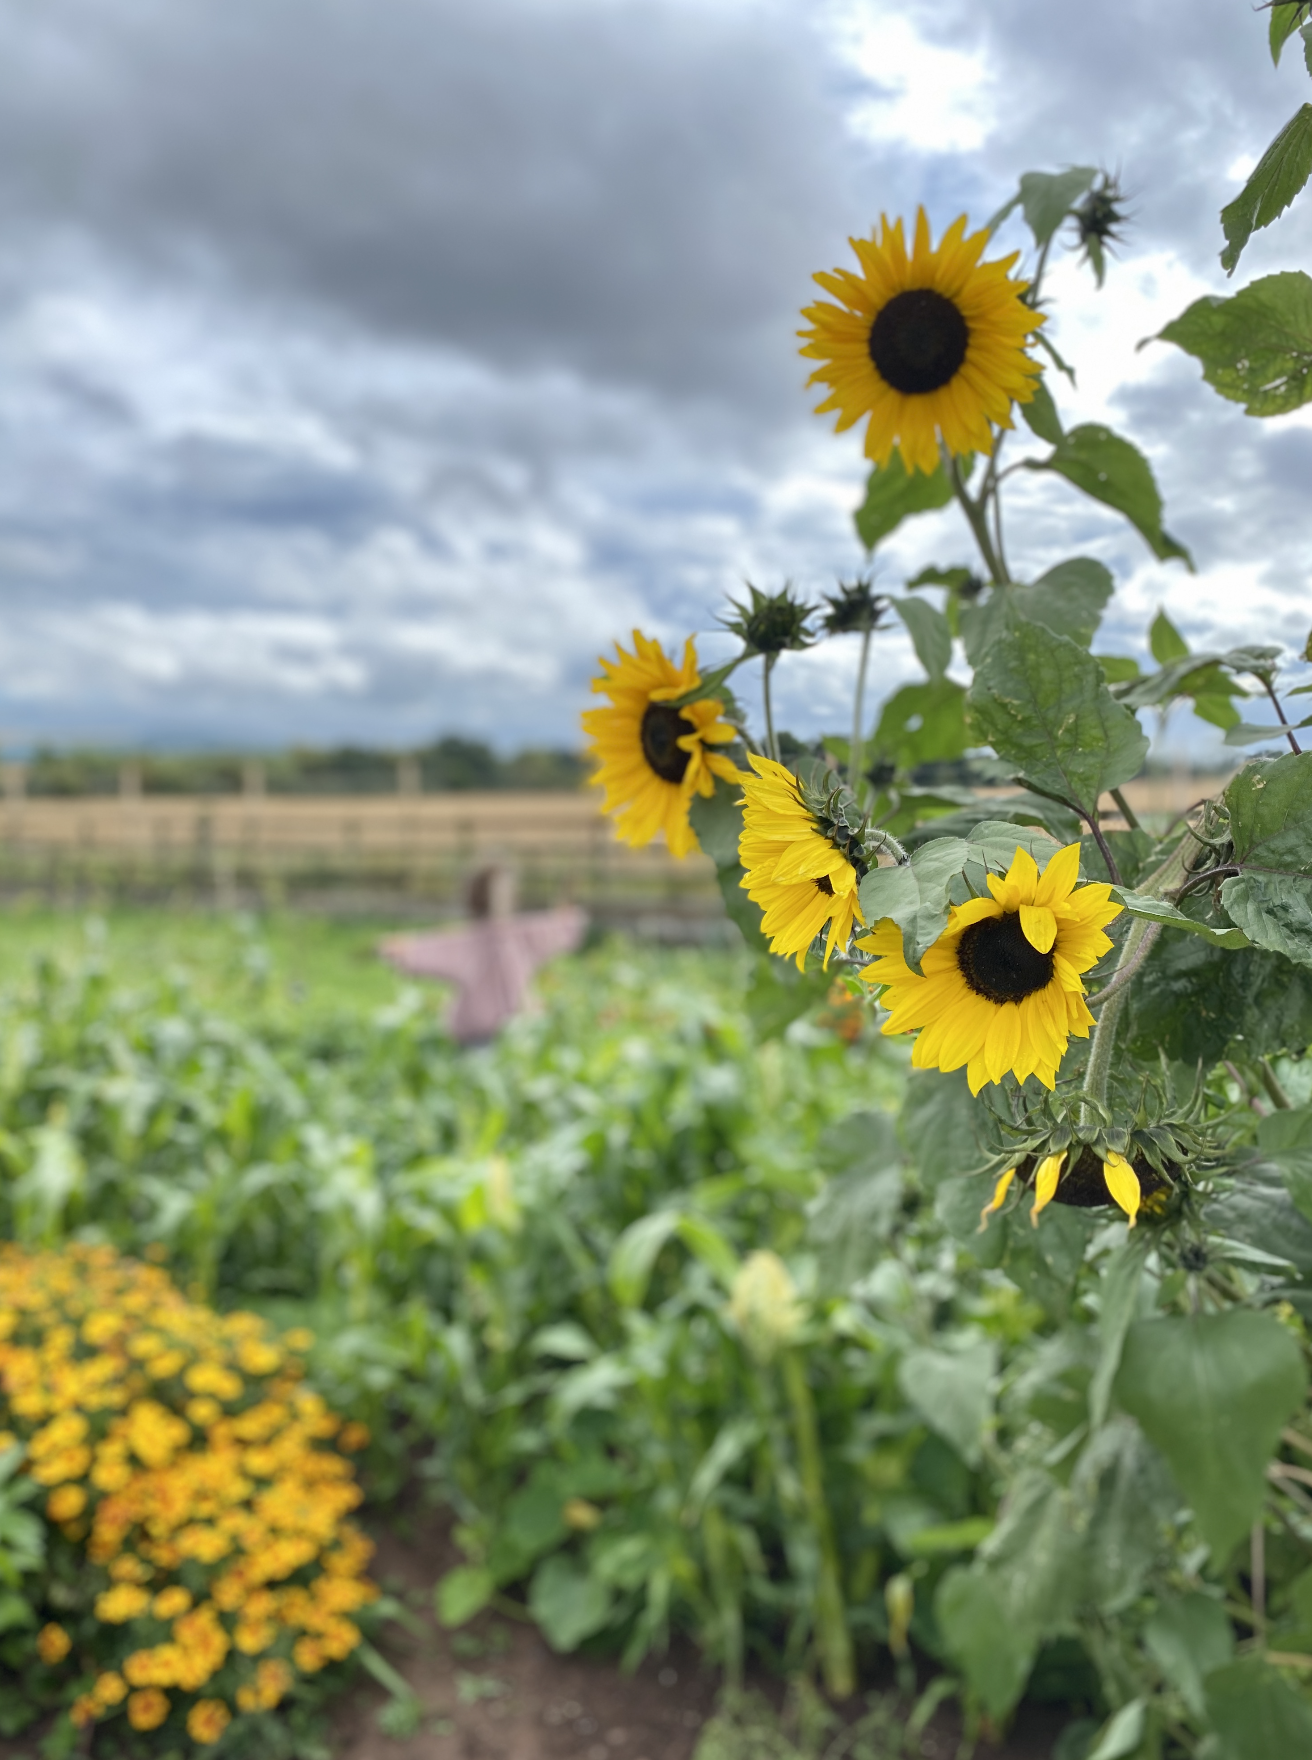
(998, 963)
(918, 341)
(823, 884)
(662, 729)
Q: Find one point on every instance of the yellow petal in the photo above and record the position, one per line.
(1059, 877)
(1045, 1184)
(1039, 926)
(995, 1202)
(1123, 1184)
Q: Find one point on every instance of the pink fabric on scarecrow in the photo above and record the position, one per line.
(491, 960)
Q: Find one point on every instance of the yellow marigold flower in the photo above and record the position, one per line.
(110, 1689)
(66, 1431)
(308, 1655)
(256, 1357)
(930, 346)
(155, 1433)
(101, 1325)
(353, 1437)
(298, 1338)
(66, 1503)
(123, 1602)
(800, 879)
(214, 1378)
(1001, 988)
(207, 1720)
(53, 1644)
(83, 1710)
(170, 1602)
(252, 1636)
(203, 1411)
(147, 1708)
(69, 1463)
(651, 758)
(166, 1365)
(128, 1568)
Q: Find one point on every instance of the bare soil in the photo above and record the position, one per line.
(495, 1691)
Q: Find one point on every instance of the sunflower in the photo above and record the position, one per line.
(929, 346)
(796, 873)
(1001, 988)
(651, 757)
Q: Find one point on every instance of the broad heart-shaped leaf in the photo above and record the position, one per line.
(718, 822)
(1047, 197)
(994, 1653)
(1276, 179)
(1112, 471)
(921, 723)
(1040, 701)
(1255, 349)
(893, 494)
(1188, 1636)
(1274, 911)
(1256, 1713)
(953, 1392)
(567, 1602)
(1156, 910)
(931, 635)
(1068, 599)
(1212, 1393)
(1270, 805)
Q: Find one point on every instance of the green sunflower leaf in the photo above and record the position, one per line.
(1118, 668)
(1277, 178)
(1040, 701)
(1041, 416)
(1047, 197)
(1256, 1713)
(1274, 911)
(1109, 469)
(1165, 641)
(718, 822)
(930, 632)
(1188, 1636)
(1255, 349)
(894, 494)
(1156, 910)
(1212, 1393)
(1270, 805)
(1068, 599)
(921, 723)
(1286, 16)
(953, 1392)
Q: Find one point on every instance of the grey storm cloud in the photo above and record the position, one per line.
(371, 364)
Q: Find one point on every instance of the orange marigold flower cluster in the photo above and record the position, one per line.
(176, 1443)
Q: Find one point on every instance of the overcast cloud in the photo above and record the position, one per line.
(369, 365)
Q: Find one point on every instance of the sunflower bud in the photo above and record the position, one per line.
(763, 1305)
(771, 623)
(900, 1604)
(855, 607)
(1096, 221)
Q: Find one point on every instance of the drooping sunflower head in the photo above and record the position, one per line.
(652, 757)
(803, 862)
(1001, 988)
(929, 344)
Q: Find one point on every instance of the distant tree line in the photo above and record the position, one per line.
(446, 764)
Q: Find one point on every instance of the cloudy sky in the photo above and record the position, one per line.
(367, 366)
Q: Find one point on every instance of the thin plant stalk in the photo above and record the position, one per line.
(977, 519)
(854, 772)
(1098, 1073)
(771, 743)
(833, 1640)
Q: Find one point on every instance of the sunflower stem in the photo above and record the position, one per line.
(978, 523)
(854, 776)
(771, 743)
(1098, 1073)
(1127, 812)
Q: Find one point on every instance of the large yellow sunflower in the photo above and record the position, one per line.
(796, 873)
(1001, 988)
(652, 758)
(929, 346)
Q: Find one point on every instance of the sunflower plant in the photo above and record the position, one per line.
(1107, 1016)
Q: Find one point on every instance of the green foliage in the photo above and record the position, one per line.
(1277, 178)
(1256, 348)
(893, 494)
(930, 633)
(1040, 701)
(1212, 1393)
(1108, 468)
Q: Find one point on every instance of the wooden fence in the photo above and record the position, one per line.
(361, 851)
